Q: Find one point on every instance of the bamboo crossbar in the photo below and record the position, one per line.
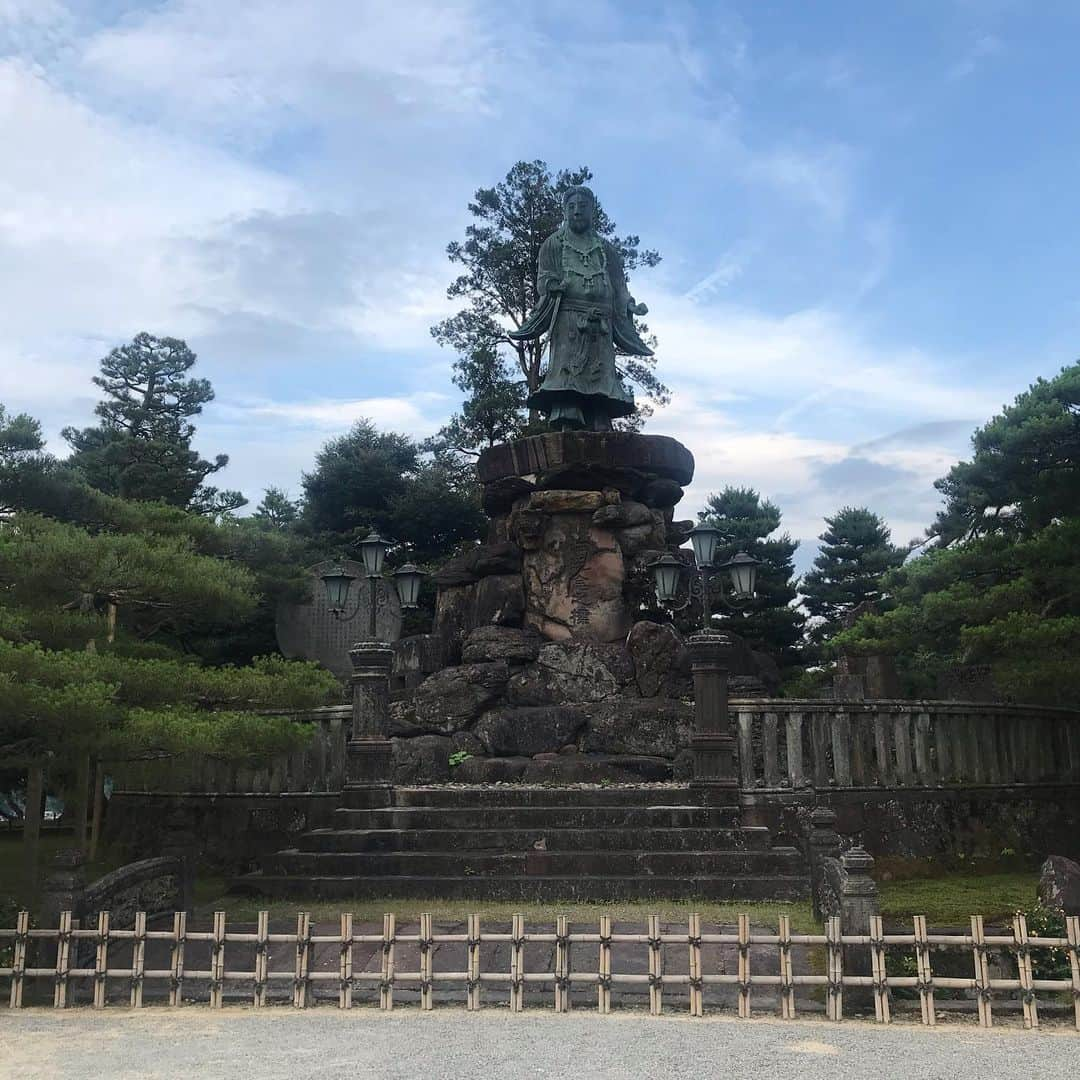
(30, 947)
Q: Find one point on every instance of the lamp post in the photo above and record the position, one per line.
(712, 743)
(369, 748)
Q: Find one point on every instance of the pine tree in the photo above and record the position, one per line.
(142, 447)
(747, 523)
(856, 551)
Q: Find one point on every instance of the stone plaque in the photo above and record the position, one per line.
(310, 632)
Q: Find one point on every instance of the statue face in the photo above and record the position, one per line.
(579, 212)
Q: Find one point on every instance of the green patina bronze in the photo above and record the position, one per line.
(587, 313)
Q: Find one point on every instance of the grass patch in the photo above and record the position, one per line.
(953, 899)
(245, 909)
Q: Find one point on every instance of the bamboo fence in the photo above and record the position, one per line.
(302, 978)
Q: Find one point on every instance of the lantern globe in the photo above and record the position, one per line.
(337, 582)
(704, 539)
(373, 550)
(743, 570)
(407, 581)
(666, 572)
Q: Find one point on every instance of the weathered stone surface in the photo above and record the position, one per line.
(500, 495)
(682, 767)
(401, 719)
(454, 609)
(1059, 885)
(661, 662)
(499, 599)
(635, 539)
(309, 631)
(616, 658)
(565, 672)
(467, 741)
(541, 454)
(479, 562)
(527, 731)
(678, 532)
(657, 726)
(423, 760)
(485, 770)
(501, 643)
(527, 528)
(452, 698)
(566, 502)
(624, 515)
(661, 493)
(574, 582)
(416, 657)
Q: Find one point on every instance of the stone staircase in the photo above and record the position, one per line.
(512, 842)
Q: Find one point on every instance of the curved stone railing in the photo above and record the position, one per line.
(793, 744)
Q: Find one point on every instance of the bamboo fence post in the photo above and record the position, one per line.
(656, 968)
(787, 987)
(924, 972)
(386, 984)
(517, 963)
(834, 998)
(562, 964)
(879, 970)
(303, 959)
(176, 959)
(138, 960)
(262, 945)
(693, 940)
(603, 980)
(982, 971)
(473, 984)
(1072, 930)
(345, 991)
(426, 948)
(1023, 966)
(18, 959)
(101, 960)
(63, 961)
(744, 967)
(217, 961)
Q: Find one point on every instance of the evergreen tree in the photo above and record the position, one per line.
(499, 279)
(856, 552)
(277, 510)
(747, 523)
(142, 447)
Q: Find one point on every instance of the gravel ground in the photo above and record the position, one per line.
(42, 1045)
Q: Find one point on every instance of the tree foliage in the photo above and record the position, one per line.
(142, 447)
(498, 281)
(856, 552)
(748, 523)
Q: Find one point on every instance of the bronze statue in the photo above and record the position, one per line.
(587, 312)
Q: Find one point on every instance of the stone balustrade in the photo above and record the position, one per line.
(792, 744)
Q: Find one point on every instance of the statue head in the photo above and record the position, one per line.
(579, 208)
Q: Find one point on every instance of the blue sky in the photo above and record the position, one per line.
(866, 212)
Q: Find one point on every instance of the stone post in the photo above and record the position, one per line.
(858, 901)
(823, 844)
(369, 750)
(712, 743)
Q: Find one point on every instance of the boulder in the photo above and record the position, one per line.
(657, 726)
(485, 770)
(678, 532)
(623, 515)
(454, 609)
(501, 643)
(423, 760)
(402, 719)
(467, 741)
(661, 661)
(499, 599)
(501, 494)
(565, 672)
(661, 493)
(479, 562)
(638, 538)
(452, 698)
(566, 502)
(1059, 885)
(527, 731)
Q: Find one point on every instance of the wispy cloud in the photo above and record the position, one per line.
(984, 47)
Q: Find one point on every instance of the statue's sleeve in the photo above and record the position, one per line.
(619, 289)
(623, 330)
(549, 263)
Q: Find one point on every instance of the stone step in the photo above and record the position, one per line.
(480, 795)
(386, 865)
(660, 816)
(596, 888)
(507, 839)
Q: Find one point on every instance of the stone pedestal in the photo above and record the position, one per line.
(712, 744)
(368, 748)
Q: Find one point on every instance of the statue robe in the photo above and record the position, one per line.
(585, 324)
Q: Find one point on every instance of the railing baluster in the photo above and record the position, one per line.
(882, 750)
(770, 750)
(793, 729)
(746, 749)
(819, 733)
(841, 748)
(924, 769)
(902, 740)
